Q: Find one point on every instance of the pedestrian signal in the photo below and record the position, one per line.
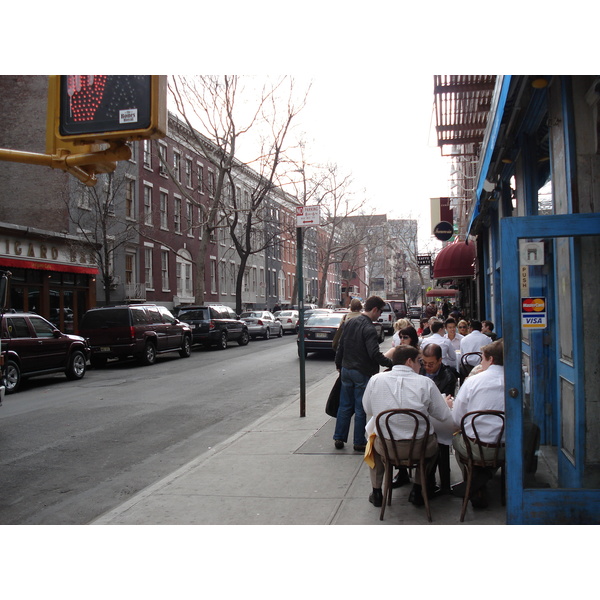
(99, 108)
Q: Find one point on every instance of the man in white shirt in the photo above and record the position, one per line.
(437, 337)
(403, 387)
(452, 335)
(484, 391)
(473, 343)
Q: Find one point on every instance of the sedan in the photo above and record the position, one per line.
(33, 346)
(261, 323)
(289, 320)
(319, 331)
(414, 312)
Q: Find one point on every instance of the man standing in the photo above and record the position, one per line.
(358, 358)
(484, 391)
(452, 335)
(445, 380)
(403, 387)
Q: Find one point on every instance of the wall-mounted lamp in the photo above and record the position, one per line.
(539, 83)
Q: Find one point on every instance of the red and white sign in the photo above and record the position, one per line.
(307, 216)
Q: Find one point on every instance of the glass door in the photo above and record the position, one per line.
(548, 272)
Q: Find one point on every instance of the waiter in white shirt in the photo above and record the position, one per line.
(437, 337)
(473, 342)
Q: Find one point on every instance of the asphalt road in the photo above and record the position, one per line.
(71, 450)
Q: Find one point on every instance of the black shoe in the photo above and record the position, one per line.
(401, 479)
(479, 499)
(339, 444)
(376, 498)
(359, 447)
(416, 496)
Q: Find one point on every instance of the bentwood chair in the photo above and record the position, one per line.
(465, 365)
(416, 457)
(471, 461)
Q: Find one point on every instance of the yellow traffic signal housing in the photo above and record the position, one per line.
(91, 109)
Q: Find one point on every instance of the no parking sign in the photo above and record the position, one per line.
(533, 313)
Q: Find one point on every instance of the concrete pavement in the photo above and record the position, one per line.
(284, 470)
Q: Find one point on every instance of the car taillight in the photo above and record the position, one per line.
(132, 332)
(289, 320)
(259, 322)
(211, 325)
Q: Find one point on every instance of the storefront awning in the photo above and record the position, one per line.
(455, 260)
(441, 293)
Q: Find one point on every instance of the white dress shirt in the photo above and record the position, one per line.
(473, 343)
(403, 388)
(484, 391)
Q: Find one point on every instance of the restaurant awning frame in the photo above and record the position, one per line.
(441, 293)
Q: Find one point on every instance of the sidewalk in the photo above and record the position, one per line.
(284, 470)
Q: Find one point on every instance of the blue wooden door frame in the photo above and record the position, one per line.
(535, 506)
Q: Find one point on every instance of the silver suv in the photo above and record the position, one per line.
(388, 318)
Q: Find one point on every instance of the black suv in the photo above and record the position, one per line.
(214, 325)
(33, 346)
(139, 330)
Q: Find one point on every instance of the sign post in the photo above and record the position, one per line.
(305, 217)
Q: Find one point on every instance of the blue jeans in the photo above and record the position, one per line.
(353, 388)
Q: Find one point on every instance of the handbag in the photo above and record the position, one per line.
(333, 402)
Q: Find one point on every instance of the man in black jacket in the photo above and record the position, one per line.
(358, 358)
(444, 378)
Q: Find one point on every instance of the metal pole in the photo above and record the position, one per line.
(300, 286)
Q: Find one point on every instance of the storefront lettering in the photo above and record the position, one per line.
(16, 248)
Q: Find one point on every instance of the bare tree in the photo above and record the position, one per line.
(230, 113)
(102, 230)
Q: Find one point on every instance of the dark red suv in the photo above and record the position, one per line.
(139, 330)
(33, 346)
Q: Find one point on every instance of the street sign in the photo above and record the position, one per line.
(424, 260)
(307, 216)
(443, 231)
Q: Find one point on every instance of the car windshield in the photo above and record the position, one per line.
(194, 315)
(325, 320)
(252, 315)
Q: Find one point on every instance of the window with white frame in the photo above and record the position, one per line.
(164, 269)
(177, 214)
(130, 198)
(129, 267)
(261, 282)
(148, 276)
(147, 204)
(147, 145)
(189, 215)
(162, 165)
(164, 210)
(200, 173)
(184, 274)
(254, 280)
(188, 172)
(223, 278)
(213, 275)
(177, 166)
(232, 277)
(211, 183)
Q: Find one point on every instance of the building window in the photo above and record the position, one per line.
(200, 173)
(129, 268)
(147, 205)
(148, 268)
(213, 275)
(188, 172)
(189, 215)
(177, 166)
(261, 282)
(223, 278)
(162, 166)
(164, 208)
(232, 273)
(164, 270)
(147, 154)
(177, 215)
(130, 199)
(211, 183)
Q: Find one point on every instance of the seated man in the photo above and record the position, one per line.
(484, 391)
(445, 379)
(403, 387)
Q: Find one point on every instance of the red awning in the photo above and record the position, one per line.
(441, 293)
(455, 260)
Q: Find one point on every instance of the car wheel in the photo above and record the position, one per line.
(267, 334)
(76, 368)
(186, 347)
(12, 377)
(244, 338)
(280, 334)
(222, 344)
(149, 356)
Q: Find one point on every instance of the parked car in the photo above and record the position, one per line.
(319, 331)
(261, 323)
(415, 312)
(214, 325)
(388, 318)
(399, 307)
(33, 346)
(289, 320)
(308, 312)
(139, 330)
